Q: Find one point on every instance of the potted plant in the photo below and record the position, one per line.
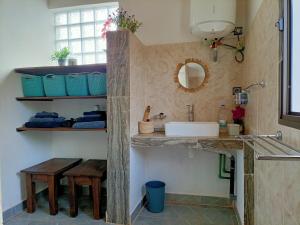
(122, 20)
(61, 56)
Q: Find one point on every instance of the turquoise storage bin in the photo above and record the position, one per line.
(97, 84)
(77, 85)
(55, 85)
(32, 86)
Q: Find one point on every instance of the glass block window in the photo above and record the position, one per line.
(79, 29)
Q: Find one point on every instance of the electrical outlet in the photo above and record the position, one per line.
(238, 31)
(236, 90)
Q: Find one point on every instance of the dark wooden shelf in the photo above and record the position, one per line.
(62, 70)
(23, 129)
(47, 99)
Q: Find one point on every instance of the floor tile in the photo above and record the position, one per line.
(42, 217)
(169, 212)
(160, 221)
(172, 215)
(188, 215)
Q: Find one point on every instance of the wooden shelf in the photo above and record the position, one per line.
(62, 70)
(47, 99)
(23, 129)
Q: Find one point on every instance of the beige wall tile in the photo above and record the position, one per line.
(277, 184)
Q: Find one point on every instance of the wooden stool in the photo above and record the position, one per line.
(87, 173)
(49, 172)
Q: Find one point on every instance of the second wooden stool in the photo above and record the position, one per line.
(87, 173)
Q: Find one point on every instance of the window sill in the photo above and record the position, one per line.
(290, 121)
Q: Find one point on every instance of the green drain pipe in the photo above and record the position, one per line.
(222, 167)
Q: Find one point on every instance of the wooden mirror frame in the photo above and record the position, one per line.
(191, 60)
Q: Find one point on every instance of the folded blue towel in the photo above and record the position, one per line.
(59, 119)
(46, 115)
(43, 124)
(89, 125)
(89, 119)
(94, 113)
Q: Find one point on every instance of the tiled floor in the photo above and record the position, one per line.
(188, 215)
(172, 215)
(41, 215)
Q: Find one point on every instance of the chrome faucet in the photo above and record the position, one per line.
(191, 115)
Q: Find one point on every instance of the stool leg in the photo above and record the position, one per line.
(91, 191)
(52, 187)
(73, 198)
(96, 186)
(30, 189)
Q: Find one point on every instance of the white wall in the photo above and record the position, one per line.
(186, 171)
(54, 4)
(23, 46)
(137, 178)
(240, 184)
(163, 21)
(26, 39)
(86, 145)
(252, 9)
(167, 21)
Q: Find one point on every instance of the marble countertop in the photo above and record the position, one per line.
(221, 144)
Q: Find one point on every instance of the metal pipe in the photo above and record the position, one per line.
(222, 167)
(267, 143)
(232, 174)
(279, 157)
(286, 145)
(273, 145)
(224, 164)
(264, 147)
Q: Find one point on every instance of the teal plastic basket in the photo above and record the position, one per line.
(77, 85)
(32, 86)
(55, 85)
(97, 84)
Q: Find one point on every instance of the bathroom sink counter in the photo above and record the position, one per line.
(221, 144)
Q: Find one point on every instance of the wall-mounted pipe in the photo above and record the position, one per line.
(222, 170)
(222, 167)
(232, 174)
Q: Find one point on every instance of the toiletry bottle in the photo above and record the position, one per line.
(223, 119)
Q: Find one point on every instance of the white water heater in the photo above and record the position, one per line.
(212, 18)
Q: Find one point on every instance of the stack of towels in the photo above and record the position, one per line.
(93, 119)
(45, 120)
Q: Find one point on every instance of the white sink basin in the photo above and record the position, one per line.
(192, 129)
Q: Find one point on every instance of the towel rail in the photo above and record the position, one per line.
(271, 147)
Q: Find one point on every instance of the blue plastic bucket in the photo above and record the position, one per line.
(32, 86)
(55, 85)
(97, 83)
(155, 194)
(77, 85)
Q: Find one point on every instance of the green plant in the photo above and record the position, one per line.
(122, 20)
(61, 54)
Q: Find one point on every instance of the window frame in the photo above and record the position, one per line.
(80, 9)
(286, 116)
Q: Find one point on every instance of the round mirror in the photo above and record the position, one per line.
(191, 75)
